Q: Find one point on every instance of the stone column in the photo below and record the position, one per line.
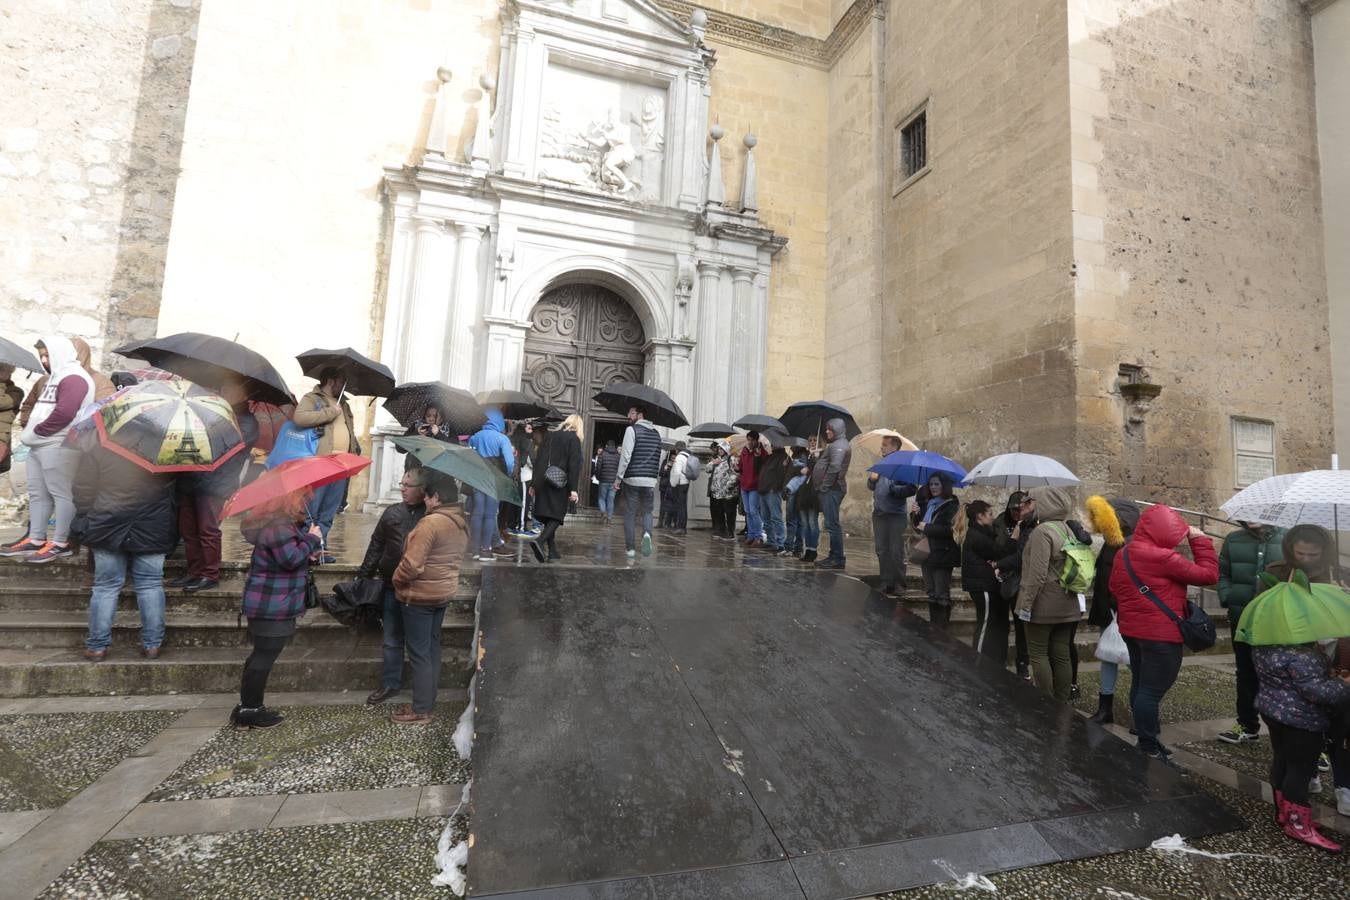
(726, 335)
(760, 335)
(707, 407)
(465, 309)
(743, 340)
(526, 72)
(432, 290)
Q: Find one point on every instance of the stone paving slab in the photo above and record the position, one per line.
(198, 816)
(349, 806)
(14, 825)
(339, 747)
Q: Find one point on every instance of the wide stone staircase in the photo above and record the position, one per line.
(44, 615)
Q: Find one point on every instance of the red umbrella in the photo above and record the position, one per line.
(310, 472)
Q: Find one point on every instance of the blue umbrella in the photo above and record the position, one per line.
(917, 466)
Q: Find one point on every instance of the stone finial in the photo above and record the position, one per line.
(437, 134)
(750, 181)
(717, 190)
(698, 21)
(480, 153)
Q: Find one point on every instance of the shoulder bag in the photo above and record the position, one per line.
(553, 474)
(1197, 631)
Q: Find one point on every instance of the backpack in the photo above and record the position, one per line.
(692, 467)
(1080, 565)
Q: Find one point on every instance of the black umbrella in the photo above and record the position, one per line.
(459, 410)
(761, 423)
(365, 377)
(206, 359)
(712, 430)
(809, 418)
(660, 409)
(11, 354)
(778, 438)
(515, 404)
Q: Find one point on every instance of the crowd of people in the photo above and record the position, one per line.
(1028, 568)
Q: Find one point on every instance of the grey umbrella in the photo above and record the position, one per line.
(760, 423)
(13, 355)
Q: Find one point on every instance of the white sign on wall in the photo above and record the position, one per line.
(1253, 451)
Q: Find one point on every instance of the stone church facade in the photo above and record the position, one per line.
(1107, 230)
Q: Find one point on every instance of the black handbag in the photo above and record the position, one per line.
(357, 603)
(552, 474)
(1197, 630)
(311, 591)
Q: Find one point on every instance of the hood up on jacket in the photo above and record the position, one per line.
(103, 385)
(1162, 526)
(837, 426)
(1306, 534)
(724, 445)
(495, 421)
(1053, 504)
(62, 356)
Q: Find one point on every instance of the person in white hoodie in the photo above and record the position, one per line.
(51, 464)
(679, 488)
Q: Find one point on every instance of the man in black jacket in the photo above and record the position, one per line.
(127, 517)
(382, 558)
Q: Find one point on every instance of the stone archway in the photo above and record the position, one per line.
(582, 337)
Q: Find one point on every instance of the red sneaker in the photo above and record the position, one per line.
(22, 547)
(49, 552)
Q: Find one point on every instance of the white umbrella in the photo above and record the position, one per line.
(1021, 470)
(871, 441)
(1320, 497)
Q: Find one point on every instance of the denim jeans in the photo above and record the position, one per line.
(1154, 666)
(754, 524)
(110, 572)
(637, 501)
(1110, 672)
(391, 673)
(830, 502)
(422, 634)
(323, 506)
(771, 508)
(809, 525)
(679, 498)
(482, 523)
(888, 538)
(607, 499)
(792, 538)
(51, 483)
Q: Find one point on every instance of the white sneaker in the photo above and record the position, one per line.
(646, 545)
(631, 554)
(1315, 784)
(1343, 801)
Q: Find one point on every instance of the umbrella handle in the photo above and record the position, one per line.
(309, 517)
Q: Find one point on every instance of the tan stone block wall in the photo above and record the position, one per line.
(785, 103)
(977, 329)
(92, 101)
(1197, 239)
(810, 17)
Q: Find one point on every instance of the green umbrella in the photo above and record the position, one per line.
(463, 464)
(1294, 612)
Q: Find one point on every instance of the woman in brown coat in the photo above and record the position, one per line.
(425, 580)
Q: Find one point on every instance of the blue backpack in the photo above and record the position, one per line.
(293, 442)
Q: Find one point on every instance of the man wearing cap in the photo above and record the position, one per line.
(830, 479)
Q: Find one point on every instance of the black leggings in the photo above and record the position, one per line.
(257, 667)
(1073, 654)
(551, 527)
(1295, 760)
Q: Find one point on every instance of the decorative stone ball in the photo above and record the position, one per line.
(717, 132)
(699, 19)
(443, 73)
(487, 82)
(750, 141)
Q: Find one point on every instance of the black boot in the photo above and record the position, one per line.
(538, 553)
(1105, 713)
(809, 556)
(255, 717)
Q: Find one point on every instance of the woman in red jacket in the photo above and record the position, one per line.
(1153, 638)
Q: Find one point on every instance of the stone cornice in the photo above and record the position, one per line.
(750, 34)
(1316, 6)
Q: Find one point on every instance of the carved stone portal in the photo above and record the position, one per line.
(602, 133)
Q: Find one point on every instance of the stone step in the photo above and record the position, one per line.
(223, 600)
(42, 629)
(41, 672)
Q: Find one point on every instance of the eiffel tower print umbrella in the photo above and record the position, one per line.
(170, 425)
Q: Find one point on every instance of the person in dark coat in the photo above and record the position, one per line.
(382, 557)
(559, 449)
(125, 516)
(1245, 554)
(934, 516)
(1015, 527)
(1115, 521)
(981, 549)
(890, 516)
(201, 497)
(510, 517)
(606, 470)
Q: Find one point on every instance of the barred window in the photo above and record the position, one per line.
(914, 146)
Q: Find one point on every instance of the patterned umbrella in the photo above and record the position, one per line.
(458, 409)
(871, 441)
(1294, 612)
(1320, 497)
(171, 425)
(463, 464)
(1021, 470)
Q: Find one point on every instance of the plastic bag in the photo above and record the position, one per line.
(1111, 646)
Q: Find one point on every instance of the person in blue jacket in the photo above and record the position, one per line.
(491, 443)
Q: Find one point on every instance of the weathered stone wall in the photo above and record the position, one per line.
(785, 104)
(978, 326)
(1331, 59)
(1198, 239)
(93, 97)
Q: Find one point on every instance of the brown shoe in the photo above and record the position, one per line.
(150, 652)
(95, 655)
(404, 715)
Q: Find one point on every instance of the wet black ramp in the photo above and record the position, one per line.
(701, 733)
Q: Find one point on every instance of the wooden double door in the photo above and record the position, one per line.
(582, 338)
